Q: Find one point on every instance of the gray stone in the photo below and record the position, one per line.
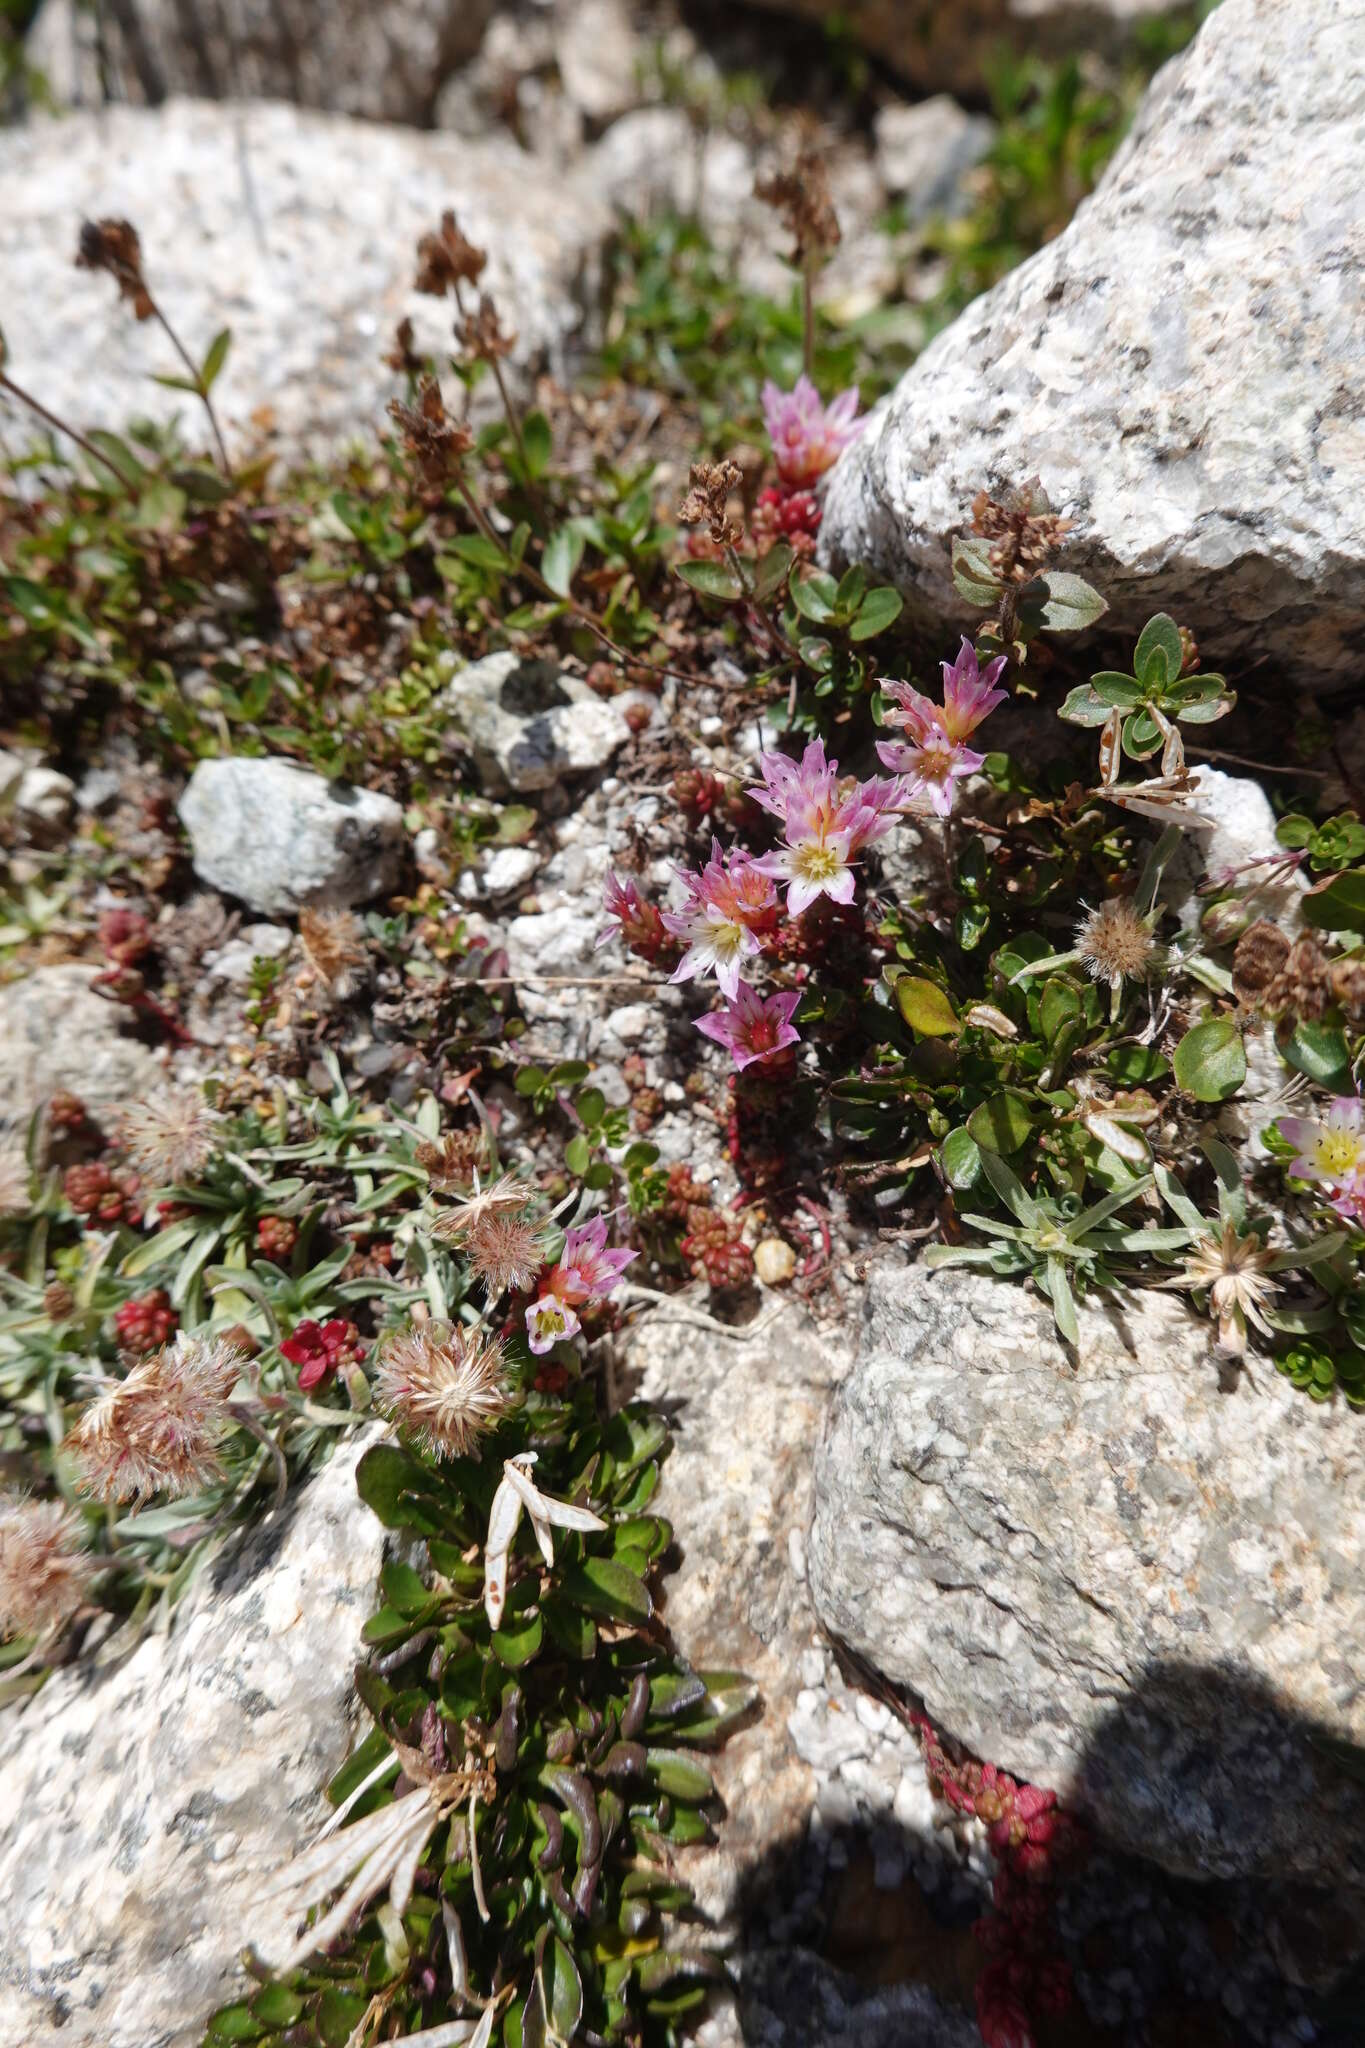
(1121, 1580)
(925, 150)
(1184, 367)
(599, 56)
(1239, 839)
(384, 59)
(59, 1035)
(149, 1794)
(279, 836)
(953, 45)
(509, 870)
(528, 723)
(298, 231)
(793, 1999)
(40, 796)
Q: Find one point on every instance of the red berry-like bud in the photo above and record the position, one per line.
(147, 1322)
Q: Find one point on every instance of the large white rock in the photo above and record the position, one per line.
(279, 836)
(149, 1797)
(386, 59)
(1184, 367)
(1123, 1579)
(528, 723)
(296, 230)
(59, 1035)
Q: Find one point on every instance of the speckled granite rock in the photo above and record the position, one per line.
(386, 59)
(950, 45)
(298, 231)
(1115, 1578)
(58, 1034)
(528, 723)
(822, 1757)
(279, 836)
(147, 1798)
(1184, 366)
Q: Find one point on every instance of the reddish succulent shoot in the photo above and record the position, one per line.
(320, 1349)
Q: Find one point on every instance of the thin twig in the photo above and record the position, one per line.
(1261, 767)
(59, 426)
(196, 378)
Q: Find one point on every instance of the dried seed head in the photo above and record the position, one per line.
(45, 1570)
(443, 1386)
(1023, 526)
(506, 1248)
(481, 333)
(453, 1160)
(505, 1196)
(1115, 943)
(446, 260)
(802, 197)
(1260, 958)
(113, 245)
(170, 1138)
(158, 1430)
(435, 442)
(403, 356)
(334, 942)
(710, 485)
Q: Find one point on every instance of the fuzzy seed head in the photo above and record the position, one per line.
(506, 1248)
(1115, 943)
(45, 1569)
(334, 943)
(159, 1429)
(506, 1196)
(444, 1387)
(169, 1139)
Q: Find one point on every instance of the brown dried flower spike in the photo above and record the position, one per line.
(334, 943)
(1023, 526)
(435, 442)
(113, 246)
(802, 197)
(446, 260)
(707, 500)
(481, 334)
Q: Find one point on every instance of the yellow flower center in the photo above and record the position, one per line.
(1338, 1153)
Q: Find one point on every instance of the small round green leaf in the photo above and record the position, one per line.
(1210, 1061)
(1001, 1123)
(961, 1158)
(925, 1007)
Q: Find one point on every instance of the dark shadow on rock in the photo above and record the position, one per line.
(868, 1935)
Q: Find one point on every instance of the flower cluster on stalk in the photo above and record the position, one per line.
(824, 821)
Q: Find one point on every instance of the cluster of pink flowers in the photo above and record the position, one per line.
(825, 823)
(585, 1271)
(1331, 1151)
(731, 911)
(808, 437)
(935, 755)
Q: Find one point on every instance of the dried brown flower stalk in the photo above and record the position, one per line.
(482, 335)
(710, 485)
(801, 196)
(1025, 530)
(45, 1570)
(452, 1160)
(444, 1386)
(159, 1429)
(446, 259)
(435, 442)
(1297, 979)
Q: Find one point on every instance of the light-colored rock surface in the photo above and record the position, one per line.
(528, 723)
(1184, 367)
(1238, 840)
(58, 1035)
(598, 57)
(925, 149)
(279, 836)
(147, 1799)
(1118, 1579)
(822, 1757)
(950, 45)
(384, 59)
(41, 797)
(298, 231)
